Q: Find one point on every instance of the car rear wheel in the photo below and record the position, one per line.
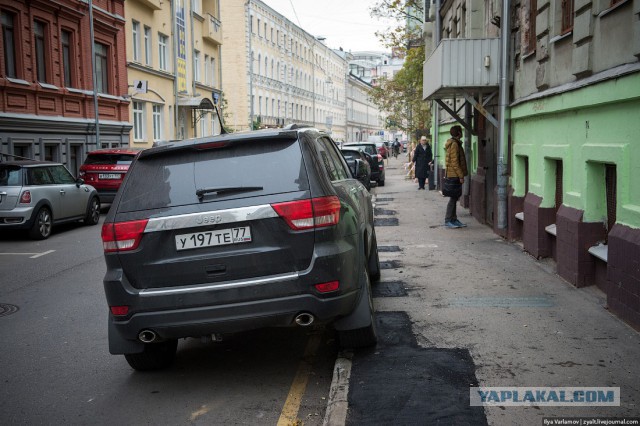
(93, 212)
(155, 356)
(365, 336)
(41, 228)
(374, 260)
(381, 182)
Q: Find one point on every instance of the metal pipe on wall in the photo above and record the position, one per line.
(95, 74)
(504, 111)
(435, 107)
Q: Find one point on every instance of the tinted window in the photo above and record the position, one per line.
(38, 176)
(369, 149)
(351, 155)
(10, 176)
(61, 175)
(109, 159)
(332, 160)
(163, 180)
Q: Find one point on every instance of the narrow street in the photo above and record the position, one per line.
(471, 297)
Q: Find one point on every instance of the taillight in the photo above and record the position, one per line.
(307, 214)
(120, 310)
(25, 198)
(122, 236)
(328, 287)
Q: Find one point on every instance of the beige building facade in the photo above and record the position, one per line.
(173, 64)
(276, 73)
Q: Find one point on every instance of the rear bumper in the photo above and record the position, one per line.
(235, 306)
(107, 195)
(18, 218)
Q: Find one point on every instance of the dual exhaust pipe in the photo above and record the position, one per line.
(303, 319)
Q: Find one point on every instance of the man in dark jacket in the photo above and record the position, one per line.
(423, 157)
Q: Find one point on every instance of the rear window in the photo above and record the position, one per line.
(351, 155)
(369, 149)
(10, 176)
(171, 179)
(103, 159)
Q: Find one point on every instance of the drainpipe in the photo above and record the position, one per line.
(250, 66)
(174, 54)
(95, 75)
(435, 107)
(504, 110)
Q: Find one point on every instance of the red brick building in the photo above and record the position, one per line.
(46, 79)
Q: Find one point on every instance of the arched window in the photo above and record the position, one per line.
(259, 62)
(266, 64)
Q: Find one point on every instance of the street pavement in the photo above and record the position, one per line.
(487, 308)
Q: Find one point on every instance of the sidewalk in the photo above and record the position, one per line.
(522, 324)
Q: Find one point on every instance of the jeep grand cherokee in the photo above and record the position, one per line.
(236, 232)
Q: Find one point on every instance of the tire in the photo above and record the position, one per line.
(41, 228)
(374, 260)
(156, 356)
(93, 212)
(361, 337)
(381, 182)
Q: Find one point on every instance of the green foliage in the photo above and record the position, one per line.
(407, 16)
(401, 97)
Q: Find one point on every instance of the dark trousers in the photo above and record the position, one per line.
(451, 210)
(421, 182)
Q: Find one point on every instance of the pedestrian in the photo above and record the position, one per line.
(455, 171)
(422, 158)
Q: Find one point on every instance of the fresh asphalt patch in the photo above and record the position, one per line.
(389, 289)
(383, 212)
(389, 249)
(385, 221)
(400, 383)
(391, 264)
(383, 199)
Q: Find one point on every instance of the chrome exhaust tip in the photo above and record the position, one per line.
(304, 319)
(147, 336)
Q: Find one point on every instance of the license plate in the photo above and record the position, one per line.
(109, 176)
(219, 237)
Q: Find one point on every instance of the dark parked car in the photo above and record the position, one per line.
(376, 163)
(35, 195)
(105, 169)
(359, 164)
(236, 232)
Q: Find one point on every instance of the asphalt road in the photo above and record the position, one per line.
(56, 367)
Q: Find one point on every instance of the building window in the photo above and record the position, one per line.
(567, 16)
(163, 42)
(611, 190)
(147, 45)
(206, 69)
(258, 27)
(102, 70)
(559, 187)
(213, 71)
(197, 6)
(196, 65)
(530, 33)
(138, 121)
(135, 32)
(157, 122)
(67, 65)
(39, 43)
(9, 44)
(203, 126)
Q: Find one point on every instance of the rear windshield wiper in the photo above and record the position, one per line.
(222, 190)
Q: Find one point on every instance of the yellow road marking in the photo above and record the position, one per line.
(289, 414)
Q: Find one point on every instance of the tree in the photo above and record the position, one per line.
(401, 96)
(407, 15)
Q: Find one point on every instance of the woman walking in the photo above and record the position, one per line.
(456, 170)
(422, 158)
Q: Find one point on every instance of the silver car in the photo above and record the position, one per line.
(35, 195)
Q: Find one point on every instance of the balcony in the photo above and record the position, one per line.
(152, 4)
(212, 29)
(462, 66)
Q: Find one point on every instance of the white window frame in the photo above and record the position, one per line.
(138, 121)
(147, 45)
(206, 69)
(196, 6)
(196, 66)
(203, 127)
(213, 71)
(163, 42)
(158, 112)
(135, 35)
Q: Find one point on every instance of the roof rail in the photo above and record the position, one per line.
(294, 126)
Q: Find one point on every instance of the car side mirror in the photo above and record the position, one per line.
(79, 181)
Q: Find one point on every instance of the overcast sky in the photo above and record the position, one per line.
(344, 23)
